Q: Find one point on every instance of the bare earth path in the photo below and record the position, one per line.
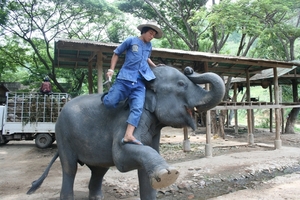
(236, 170)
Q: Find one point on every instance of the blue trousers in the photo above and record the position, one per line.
(134, 91)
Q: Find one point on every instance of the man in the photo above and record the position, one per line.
(130, 82)
(46, 87)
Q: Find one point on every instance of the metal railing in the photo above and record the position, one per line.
(34, 107)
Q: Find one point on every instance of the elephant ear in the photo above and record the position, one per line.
(150, 101)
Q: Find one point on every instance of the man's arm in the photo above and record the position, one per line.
(151, 63)
(113, 62)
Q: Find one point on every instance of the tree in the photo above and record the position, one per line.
(196, 26)
(32, 26)
(174, 18)
(252, 20)
(3, 12)
(278, 42)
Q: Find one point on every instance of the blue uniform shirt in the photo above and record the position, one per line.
(135, 65)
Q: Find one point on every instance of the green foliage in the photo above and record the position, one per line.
(32, 26)
(265, 28)
(3, 12)
(118, 31)
(248, 20)
(263, 123)
(10, 63)
(281, 33)
(264, 96)
(172, 16)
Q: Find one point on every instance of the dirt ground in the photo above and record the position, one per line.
(235, 171)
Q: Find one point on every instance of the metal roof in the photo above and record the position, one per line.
(285, 76)
(69, 53)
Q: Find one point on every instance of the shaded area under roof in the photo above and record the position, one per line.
(71, 53)
(285, 76)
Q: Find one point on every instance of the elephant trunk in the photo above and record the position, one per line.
(204, 99)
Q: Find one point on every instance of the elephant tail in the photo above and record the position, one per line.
(37, 183)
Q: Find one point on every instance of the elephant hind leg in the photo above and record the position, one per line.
(164, 177)
(69, 168)
(95, 185)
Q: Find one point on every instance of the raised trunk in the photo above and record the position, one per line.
(207, 99)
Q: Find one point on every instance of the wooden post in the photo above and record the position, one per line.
(90, 77)
(186, 141)
(282, 120)
(90, 73)
(99, 66)
(227, 118)
(208, 146)
(236, 126)
(249, 112)
(277, 111)
(295, 91)
(271, 110)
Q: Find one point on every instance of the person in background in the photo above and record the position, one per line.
(63, 102)
(130, 81)
(46, 87)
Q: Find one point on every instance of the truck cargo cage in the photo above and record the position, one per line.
(34, 107)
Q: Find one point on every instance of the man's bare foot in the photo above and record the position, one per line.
(134, 141)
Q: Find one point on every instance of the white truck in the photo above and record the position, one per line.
(30, 116)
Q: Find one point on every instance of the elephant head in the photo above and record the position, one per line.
(172, 96)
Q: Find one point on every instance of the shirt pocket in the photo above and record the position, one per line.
(134, 48)
(135, 53)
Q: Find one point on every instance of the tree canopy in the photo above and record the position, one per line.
(31, 27)
(257, 28)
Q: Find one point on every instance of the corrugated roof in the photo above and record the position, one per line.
(71, 53)
(268, 74)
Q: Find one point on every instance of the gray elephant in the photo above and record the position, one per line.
(88, 133)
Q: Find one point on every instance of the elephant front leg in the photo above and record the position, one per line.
(158, 172)
(146, 190)
(163, 177)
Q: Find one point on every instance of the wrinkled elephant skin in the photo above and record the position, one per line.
(90, 134)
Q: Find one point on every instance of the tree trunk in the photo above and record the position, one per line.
(291, 120)
(292, 117)
(217, 121)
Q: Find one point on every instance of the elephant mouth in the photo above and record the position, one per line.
(190, 120)
(189, 111)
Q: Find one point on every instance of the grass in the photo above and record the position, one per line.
(262, 116)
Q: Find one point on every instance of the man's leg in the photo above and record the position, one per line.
(136, 101)
(118, 92)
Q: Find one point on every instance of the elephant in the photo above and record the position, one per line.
(89, 133)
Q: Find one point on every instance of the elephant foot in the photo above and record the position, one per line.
(99, 197)
(164, 178)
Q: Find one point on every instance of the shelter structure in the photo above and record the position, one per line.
(96, 55)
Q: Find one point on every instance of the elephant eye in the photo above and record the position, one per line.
(180, 83)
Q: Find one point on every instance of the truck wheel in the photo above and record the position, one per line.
(43, 140)
(3, 141)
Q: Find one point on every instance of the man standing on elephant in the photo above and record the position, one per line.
(130, 82)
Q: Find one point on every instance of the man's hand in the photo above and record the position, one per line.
(110, 74)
